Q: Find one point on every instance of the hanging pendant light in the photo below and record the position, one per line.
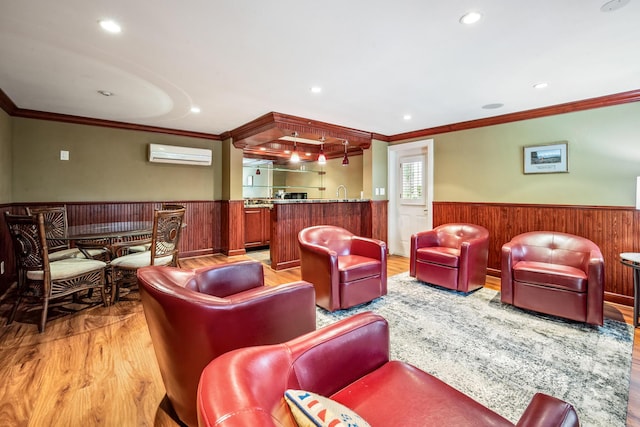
(322, 159)
(258, 171)
(345, 159)
(295, 157)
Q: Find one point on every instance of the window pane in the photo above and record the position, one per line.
(411, 180)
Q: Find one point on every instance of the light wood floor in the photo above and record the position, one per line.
(97, 367)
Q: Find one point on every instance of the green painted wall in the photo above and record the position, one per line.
(486, 164)
(477, 165)
(105, 165)
(375, 170)
(6, 175)
(349, 176)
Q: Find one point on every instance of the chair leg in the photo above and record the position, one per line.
(14, 310)
(43, 319)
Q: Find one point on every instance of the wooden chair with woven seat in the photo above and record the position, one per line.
(147, 246)
(44, 279)
(165, 237)
(55, 224)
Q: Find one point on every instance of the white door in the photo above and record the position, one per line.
(410, 193)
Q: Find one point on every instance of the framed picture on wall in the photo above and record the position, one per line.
(548, 158)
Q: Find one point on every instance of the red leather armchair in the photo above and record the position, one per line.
(346, 270)
(348, 362)
(195, 316)
(554, 273)
(453, 256)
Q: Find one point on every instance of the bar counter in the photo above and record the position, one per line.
(366, 218)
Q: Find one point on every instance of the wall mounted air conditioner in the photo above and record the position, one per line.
(183, 155)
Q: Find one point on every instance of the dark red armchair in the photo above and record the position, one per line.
(348, 361)
(346, 270)
(453, 256)
(196, 315)
(554, 273)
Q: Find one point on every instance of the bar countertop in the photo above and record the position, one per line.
(268, 203)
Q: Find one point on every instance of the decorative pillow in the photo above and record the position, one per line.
(312, 410)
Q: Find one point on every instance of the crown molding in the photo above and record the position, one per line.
(569, 107)
(7, 104)
(278, 124)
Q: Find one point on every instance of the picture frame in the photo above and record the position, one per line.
(547, 158)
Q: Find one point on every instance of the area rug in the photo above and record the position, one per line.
(501, 355)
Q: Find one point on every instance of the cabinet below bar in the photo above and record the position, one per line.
(367, 218)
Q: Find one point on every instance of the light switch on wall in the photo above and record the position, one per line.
(64, 155)
(377, 191)
(382, 191)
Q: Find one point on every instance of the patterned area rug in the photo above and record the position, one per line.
(501, 355)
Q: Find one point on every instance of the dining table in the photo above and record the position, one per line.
(105, 235)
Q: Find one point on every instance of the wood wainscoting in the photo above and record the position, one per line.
(613, 229)
(365, 218)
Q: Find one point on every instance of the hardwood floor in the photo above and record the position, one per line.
(97, 366)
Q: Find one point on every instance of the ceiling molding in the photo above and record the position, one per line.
(7, 104)
(569, 107)
(67, 118)
(275, 125)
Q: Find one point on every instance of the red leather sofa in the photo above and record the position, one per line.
(453, 256)
(554, 273)
(346, 270)
(347, 361)
(196, 315)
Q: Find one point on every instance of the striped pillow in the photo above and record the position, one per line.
(312, 410)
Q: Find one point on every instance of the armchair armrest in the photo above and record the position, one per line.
(506, 274)
(547, 411)
(319, 265)
(473, 261)
(595, 291)
(371, 248)
(425, 238)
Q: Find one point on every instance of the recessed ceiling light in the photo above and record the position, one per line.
(287, 151)
(470, 18)
(105, 93)
(110, 25)
(493, 106)
(540, 85)
(195, 109)
(612, 5)
(263, 149)
(407, 117)
(316, 89)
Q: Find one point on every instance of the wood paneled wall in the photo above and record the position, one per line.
(613, 229)
(232, 227)
(201, 236)
(287, 219)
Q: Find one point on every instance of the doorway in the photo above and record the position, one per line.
(410, 193)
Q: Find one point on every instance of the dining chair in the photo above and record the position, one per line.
(147, 246)
(56, 224)
(44, 279)
(165, 238)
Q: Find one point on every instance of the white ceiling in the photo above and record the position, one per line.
(376, 60)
